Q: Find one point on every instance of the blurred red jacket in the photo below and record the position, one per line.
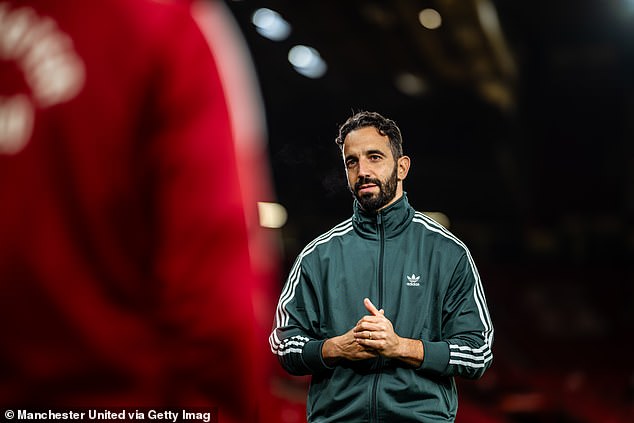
(125, 277)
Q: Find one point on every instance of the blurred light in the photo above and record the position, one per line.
(16, 123)
(497, 92)
(430, 18)
(439, 217)
(487, 14)
(524, 402)
(410, 84)
(272, 215)
(307, 61)
(270, 24)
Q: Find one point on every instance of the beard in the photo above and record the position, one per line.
(371, 202)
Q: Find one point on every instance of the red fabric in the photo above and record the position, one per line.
(124, 270)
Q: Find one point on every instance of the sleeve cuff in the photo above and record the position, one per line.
(436, 357)
(312, 356)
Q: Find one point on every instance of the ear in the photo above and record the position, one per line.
(403, 167)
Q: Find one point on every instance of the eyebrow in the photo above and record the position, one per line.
(366, 153)
(379, 152)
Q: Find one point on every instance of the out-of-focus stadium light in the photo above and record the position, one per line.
(272, 215)
(439, 217)
(270, 24)
(410, 84)
(430, 18)
(307, 61)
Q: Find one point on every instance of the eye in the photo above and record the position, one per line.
(375, 157)
(351, 162)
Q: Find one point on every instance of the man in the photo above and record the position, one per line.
(387, 307)
(125, 273)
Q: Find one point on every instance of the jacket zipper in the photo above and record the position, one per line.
(381, 232)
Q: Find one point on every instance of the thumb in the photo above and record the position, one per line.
(371, 308)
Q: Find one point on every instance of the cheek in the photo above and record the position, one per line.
(352, 178)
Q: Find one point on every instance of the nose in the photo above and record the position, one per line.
(364, 167)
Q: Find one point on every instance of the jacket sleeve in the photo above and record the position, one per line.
(294, 339)
(467, 331)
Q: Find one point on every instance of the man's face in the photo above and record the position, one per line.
(374, 177)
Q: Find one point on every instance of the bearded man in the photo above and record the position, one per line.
(385, 309)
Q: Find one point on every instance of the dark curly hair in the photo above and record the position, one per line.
(385, 126)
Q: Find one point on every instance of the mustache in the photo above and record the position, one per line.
(364, 181)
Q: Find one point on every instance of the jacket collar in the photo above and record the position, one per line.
(394, 218)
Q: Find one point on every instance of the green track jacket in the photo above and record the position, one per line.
(427, 283)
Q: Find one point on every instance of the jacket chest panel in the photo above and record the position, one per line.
(412, 289)
(351, 276)
(404, 281)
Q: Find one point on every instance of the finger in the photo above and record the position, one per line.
(365, 334)
(369, 338)
(369, 342)
(370, 307)
(382, 312)
(368, 326)
(371, 319)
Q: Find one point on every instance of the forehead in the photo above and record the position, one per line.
(366, 139)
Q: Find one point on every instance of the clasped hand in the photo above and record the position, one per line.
(372, 336)
(375, 333)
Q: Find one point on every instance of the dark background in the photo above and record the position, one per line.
(524, 139)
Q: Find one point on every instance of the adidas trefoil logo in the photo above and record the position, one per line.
(413, 280)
